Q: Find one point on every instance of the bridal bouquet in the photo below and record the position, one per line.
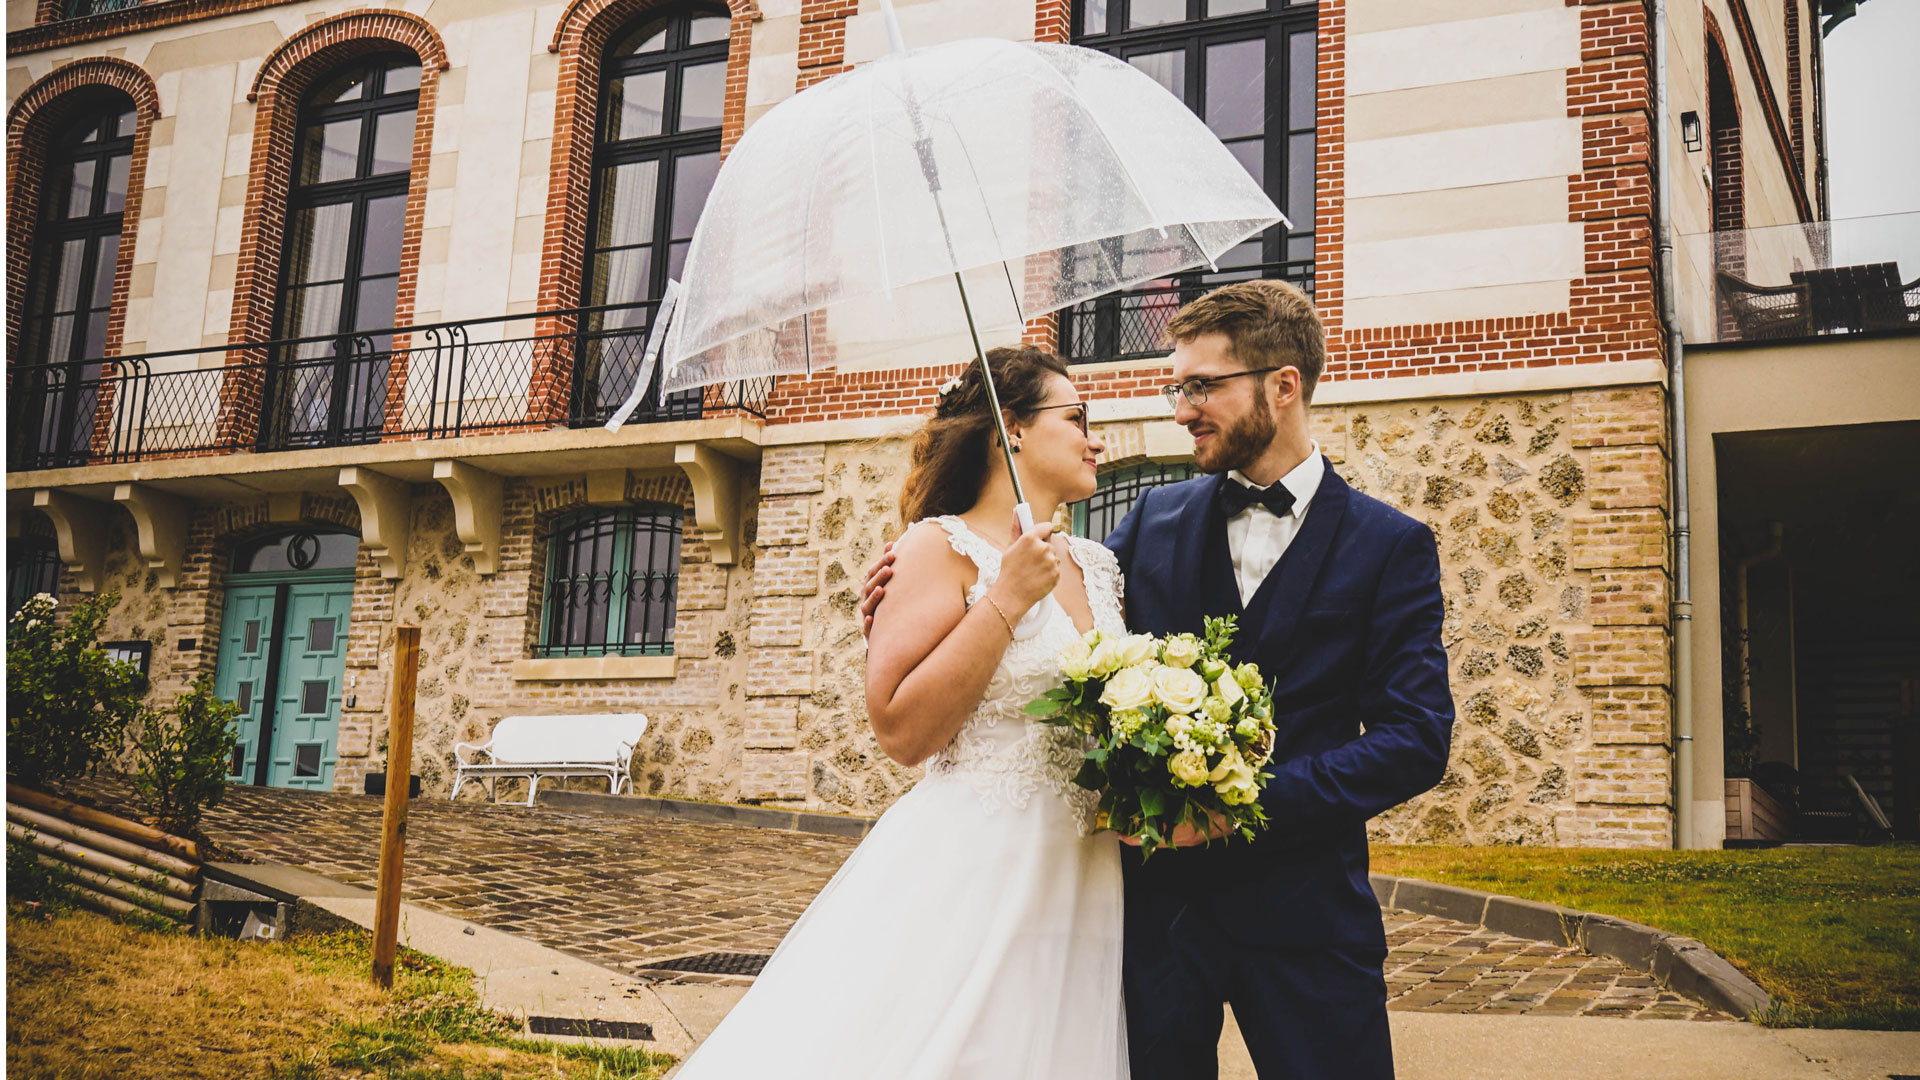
(1180, 733)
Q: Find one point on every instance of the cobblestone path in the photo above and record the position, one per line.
(631, 893)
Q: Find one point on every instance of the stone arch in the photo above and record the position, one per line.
(31, 122)
(283, 80)
(583, 34)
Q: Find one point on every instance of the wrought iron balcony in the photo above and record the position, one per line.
(1132, 324)
(80, 9)
(1803, 280)
(440, 381)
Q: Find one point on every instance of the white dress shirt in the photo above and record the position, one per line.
(1257, 537)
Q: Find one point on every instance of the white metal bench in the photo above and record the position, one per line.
(537, 747)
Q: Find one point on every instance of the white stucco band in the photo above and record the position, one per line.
(1464, 157)
(1458, 51)
(1466, 260)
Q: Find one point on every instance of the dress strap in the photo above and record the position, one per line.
(1105, 587)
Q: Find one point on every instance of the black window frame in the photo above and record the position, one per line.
(569, 584)
(354, 362)
(33, 563)
(1119, 489)
(613, 333)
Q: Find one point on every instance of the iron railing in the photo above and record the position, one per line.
(1131, 324)
(1801, 280)
(439, 381)
(80, 9)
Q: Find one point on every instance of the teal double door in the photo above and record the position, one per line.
(283, 660)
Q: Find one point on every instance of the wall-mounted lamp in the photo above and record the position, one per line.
(1690, 130)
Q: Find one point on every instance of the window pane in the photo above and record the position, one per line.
(1245, 253)
(1301, 56)
(79, 186)
(1300, 179)
(392, 143)
(105, 258)
(318, 239)
(649, 38)
(692, 180)
(627, 203)
(330, 151)
(402, 78)
(1156, 12)
(634, 105)
(116, 200)
(1217, 8)
(59, 340)
(125, 123)
(677, 257)
(345, 86)
(1252, 156)
(701, 89)
(620, 277)
(380, 248)
(375, 308)
(1237, 88)
(312, 312)
(705, 29)
(1169, 69)
(1093, 17)
(95, 346)
(1300, 247)
(72, 261)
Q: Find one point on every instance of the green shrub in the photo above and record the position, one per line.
(30, 881)
(182, 757)
(68, 703)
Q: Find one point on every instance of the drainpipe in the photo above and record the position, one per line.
(1682, 531)
(1745, 623)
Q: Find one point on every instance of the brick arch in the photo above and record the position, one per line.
(1726, 153)
(283, 80)
(31, 122)
(581, 37)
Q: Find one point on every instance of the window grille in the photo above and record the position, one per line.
(612, 583)
(1096, 517)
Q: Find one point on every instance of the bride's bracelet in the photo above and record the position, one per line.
(1003, 615)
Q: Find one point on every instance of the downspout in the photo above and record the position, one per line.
(1682, 532)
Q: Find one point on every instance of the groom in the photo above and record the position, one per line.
(1338, 598)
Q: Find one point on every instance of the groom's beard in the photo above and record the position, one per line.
(1239, 444)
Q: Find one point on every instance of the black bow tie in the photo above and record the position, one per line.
(1236, 497)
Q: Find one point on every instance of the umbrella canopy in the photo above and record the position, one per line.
(887, 216)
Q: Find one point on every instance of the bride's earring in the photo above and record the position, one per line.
(1016, 447)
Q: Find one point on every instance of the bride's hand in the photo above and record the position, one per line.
(1185, 835)
(875, 589)
(1028, 571)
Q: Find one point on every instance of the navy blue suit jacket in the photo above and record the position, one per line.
(1346, 628)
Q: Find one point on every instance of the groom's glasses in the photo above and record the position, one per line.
(1079, 418)
(1196, 389)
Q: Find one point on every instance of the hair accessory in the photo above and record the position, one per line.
(949, 386)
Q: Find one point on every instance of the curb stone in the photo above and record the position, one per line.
(1680, 964)
(706, 813)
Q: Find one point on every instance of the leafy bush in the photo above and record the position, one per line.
(182, 757)
(30, 881)
(68, 703)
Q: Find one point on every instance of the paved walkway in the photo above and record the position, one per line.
(634, 893)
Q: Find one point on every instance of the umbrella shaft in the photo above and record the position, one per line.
(993, 393)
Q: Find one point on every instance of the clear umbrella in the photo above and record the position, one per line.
(889, 216)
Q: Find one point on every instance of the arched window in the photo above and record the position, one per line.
(340, 266)
(296, 549)
(612, 582)
(663, 83)
(76, 249)
(1119, 489)
(1246, 67)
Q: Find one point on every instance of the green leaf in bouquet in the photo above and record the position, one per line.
(1153, 802)
(1043, 708)
(1091, 776)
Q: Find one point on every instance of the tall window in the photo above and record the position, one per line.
(33, 562)
(657, 154)
(1247, 68)
(76, 248)
(1119, 489)
(340, 264)
(612, 579)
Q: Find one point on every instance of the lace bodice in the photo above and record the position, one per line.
(1003, 753)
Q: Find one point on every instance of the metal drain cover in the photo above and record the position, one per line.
(596, 1029)
(716, 963)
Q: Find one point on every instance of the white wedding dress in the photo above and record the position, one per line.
(975, 933)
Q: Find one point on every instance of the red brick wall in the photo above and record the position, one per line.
(1795, 123)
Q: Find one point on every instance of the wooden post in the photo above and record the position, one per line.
(393, 832)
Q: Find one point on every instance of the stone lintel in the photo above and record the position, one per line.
(606, 487)
(716, 497)
(385, 510)
(80, 532)
(160, 521)
(476, 510)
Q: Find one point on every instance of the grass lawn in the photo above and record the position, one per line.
(88, 997)
(1832, 933)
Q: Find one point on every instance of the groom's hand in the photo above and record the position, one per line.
(875, 589)
(1185, 835)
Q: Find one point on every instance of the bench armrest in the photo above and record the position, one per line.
(478, 748)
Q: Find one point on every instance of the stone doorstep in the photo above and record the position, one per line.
(1679, 964)
(514, 975)
(848, 826)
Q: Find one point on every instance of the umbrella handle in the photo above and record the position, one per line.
(1024, 515)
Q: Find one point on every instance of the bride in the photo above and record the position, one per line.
(975, 933)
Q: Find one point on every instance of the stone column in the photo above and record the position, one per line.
(1624, 778)
(780, 669)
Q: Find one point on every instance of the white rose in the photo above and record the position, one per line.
(1179, 689)
(1181, 651)
(1178, 725)
(1188, 768)
(1129, 690)
(1233, 779)
(1076, 661)
(1229, 690)
(1105, 659)
(1137, 649)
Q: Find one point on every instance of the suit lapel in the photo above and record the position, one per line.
(1280, 598)
(1202, 546)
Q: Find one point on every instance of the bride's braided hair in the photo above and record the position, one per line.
(951, 453)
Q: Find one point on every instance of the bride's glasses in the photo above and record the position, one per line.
(1079, 418)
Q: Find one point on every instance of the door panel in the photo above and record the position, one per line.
(312, 668)
(247, 630)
